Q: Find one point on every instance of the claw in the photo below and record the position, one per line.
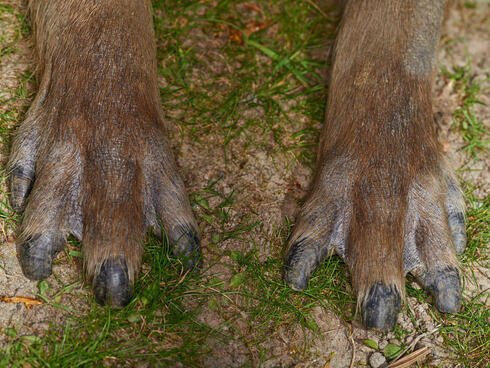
(458, 230)
(299, 265)
(21, 180)
(187, 246)
(445, 286)
(36, 254)
(111, 285)
(380, 307)
(303, 258)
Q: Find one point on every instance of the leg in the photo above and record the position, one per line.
(383, 197)
(91, 159)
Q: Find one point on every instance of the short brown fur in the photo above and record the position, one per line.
(94, 135)
(380, 175)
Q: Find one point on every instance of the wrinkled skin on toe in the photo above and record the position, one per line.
(91, 158)
(383, 197)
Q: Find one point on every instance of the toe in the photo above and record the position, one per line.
(303, 258)
(111, 285)
(458, 230)
(445, 286)
(36, 254)
(318, 232)
(185, 244)
(380, 307)
(21, 179)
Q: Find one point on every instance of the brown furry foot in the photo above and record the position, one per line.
(335, 219)
(104, 186)
(109, 208)
(91, 159)
(383, 198)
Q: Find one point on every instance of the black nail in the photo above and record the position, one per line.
(187, 246)
(381, 307)
(445, 286)
(36, 254)
(111, 285)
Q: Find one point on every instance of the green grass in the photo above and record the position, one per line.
(267, 72)
(161, 327)
(8, 44)
(468, 332)
(259, 90)
(478, 230)
(156, 327)
(17, 101)
(473, 131)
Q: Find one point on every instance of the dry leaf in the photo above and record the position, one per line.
(235, 35)
(28, 302)
(254, 26)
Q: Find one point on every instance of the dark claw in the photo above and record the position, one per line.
(187, 246)
(36, 254)
(111, 285)
(458, 231)
(296, 272)
(297, 282)
(381, 307)
(298, 266)
(302, 259)
(445, 286)
(21, 180)
(455, 209)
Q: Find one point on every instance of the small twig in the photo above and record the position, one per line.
(351, 339)
(408, 360)
(412, 346)
(317, 8)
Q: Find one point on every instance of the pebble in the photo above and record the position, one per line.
(377, 360)
(382, 344)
